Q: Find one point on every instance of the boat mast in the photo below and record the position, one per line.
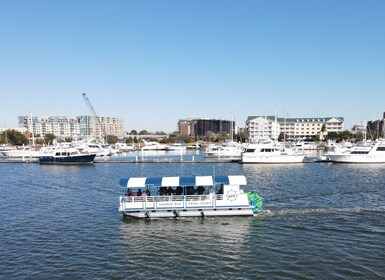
(32, 131)
(232, 128)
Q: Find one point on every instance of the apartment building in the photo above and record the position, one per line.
(64, 126)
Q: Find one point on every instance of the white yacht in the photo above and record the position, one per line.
(123, 147)
(270, 152)
(91, 147)
(362, 152)
(229, 149)
(176, 147)
(305, 145)
(152, 146)
(23, 152)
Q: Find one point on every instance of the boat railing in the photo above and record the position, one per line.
(168, 201)
(167, 198)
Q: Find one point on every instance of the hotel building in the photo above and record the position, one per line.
(262, 127)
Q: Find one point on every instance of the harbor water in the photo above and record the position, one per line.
(320, 221)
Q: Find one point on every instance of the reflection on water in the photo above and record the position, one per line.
(166, 244)
(142, 155)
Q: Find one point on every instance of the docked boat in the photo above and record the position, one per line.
(123, 147)
(302, 145)
(229, 149)
(66, 156)
(152, 146)
(193, 147)
(270, 152)
(363, 152)
(176, 147)
(192, 196)
(332, 147)
(24, 152)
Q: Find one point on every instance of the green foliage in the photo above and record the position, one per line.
(48, 138)
(13, 137)
(323, 128)
(143, 132)
(340, 136)
(128, 140)
(112, 139)
(283, 136)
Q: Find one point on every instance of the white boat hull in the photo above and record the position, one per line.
(21, 154)
(273, 159)
(216, 212)
(356, 158)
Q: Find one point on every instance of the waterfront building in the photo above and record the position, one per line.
(262, 127)
(375, 129)
(65, 126)
(359, 128)
(187, 127)
(268, 126)
(205, 126)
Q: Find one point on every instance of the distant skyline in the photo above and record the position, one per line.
(155, 62)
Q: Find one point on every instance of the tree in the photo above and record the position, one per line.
(128, 140)
(283, 136)
(112, 139)
(48, 138)
(13, 137)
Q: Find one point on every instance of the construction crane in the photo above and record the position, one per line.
(102, 128)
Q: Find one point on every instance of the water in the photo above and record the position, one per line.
(320, 221)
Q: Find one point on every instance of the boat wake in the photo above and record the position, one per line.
(265, 213)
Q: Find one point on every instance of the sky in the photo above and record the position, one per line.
(155, 62)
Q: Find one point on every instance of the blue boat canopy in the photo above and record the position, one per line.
(140, 182)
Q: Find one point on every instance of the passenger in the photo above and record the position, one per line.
(179, 190)
(190, 190)
(200, 189)
(170, 191)
(220, 191)
(129, 192)
(148, 192)
(139, 193)
(162, 191)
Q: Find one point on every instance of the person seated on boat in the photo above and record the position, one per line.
(170, 191)
(190, 190)
(139, 193)
(200, 190)
(144, 194)
(220, 191)
(162, 191)
(179, 190)
(129, 192)
(148, 192)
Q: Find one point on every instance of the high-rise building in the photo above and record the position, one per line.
(205, 126)
(376, 129)
(64, 126)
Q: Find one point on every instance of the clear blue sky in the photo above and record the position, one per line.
(154, 62)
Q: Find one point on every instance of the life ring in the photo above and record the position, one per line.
(255, 200)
